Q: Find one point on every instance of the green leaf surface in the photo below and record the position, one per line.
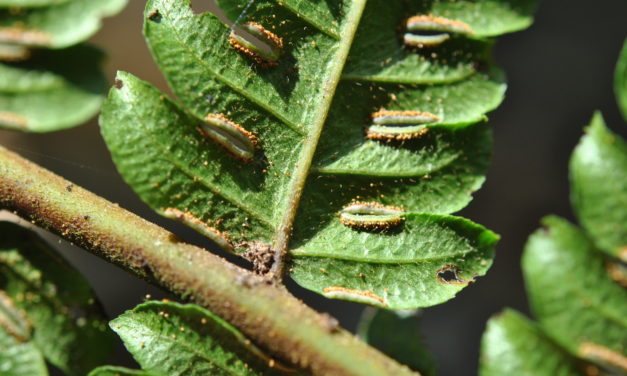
(570, 291)
(378, 53)
(308, 121)
(513, 345)
(119, 371)
(30, 3)
(53, 90)
(397, 334)
(175, 339)
(69, 327)
(598, 174)
(326, 16)
(620, 80)
(424, 261)
(486, 18)
(56, 26)
(435, 174)
(20, 358)
(157, 148)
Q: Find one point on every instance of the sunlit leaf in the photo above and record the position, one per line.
(598, 173)
(572, 294)
(513, 345)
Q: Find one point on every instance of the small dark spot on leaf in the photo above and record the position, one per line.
(154, 15)
(118, 84)
(449, 274)
(210, 98)
(86, 217)
(69, 188)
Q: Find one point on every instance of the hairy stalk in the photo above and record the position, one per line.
(268, 315)
(306, 157)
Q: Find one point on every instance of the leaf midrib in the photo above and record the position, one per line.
(341, 256)
(303, 166)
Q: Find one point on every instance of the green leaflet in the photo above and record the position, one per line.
(20, 358)
(598, 174)
(513, 345)
(118, 371)
(424, 262)
(173, 339)
(242, 202)
(620, 81)
(486, 18)
(570, 291)
(30, 3)
(325, 16)
(54, 90)
(68, 325)
(378, 53)
(178, 167)
(397, 334)
(55, 26)
(577, 293)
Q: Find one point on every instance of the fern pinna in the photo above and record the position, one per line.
(329, 140)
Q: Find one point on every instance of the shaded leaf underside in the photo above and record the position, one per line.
(69, 327)
(20, 358)
(159, 151)
(397, 334)
(174, 339)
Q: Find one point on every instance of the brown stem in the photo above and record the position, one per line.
(268, 315)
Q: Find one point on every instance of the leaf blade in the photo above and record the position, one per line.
(601, 156)
(513, 345)
(69, 327)
(410, 272)
(586, 306)
(170, 338)
(20, 358)
(35, 95)
(397, 334)
(56, 26)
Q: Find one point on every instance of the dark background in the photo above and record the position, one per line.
(559, 71)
